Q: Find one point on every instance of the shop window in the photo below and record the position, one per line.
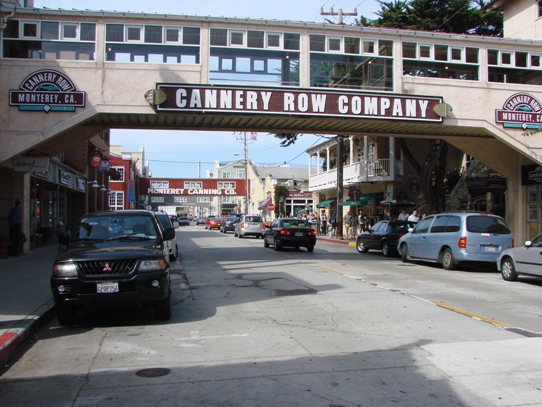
(237, 38)
(29, 29)
(69, 31)
(273, 40)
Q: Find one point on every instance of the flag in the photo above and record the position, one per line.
(254, 136)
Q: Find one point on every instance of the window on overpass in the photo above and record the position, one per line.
(510, 66)
(254, 56)
(351, 62)
(440, 61)
(54, 40)
(152, 44)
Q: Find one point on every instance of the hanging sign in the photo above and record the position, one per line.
(96, 160)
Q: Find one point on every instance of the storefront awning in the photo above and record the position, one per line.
(325, 204)
(263, 204)
(363, 200)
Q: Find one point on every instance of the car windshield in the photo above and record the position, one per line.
(115, 226)
(253, 219)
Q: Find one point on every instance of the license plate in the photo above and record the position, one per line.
(299, 233)
(491, 249)
(107, 288)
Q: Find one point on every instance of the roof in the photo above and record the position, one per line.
(282, 172)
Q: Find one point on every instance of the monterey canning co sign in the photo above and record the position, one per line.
(47, 90)
(256, 100)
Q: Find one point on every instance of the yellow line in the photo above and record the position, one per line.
(460, 311)
(331, 271)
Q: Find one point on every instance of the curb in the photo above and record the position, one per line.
(12, 341)
(331, 240)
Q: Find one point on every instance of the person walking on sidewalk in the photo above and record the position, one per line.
(15, 228)
(347, 220)
(333, 223)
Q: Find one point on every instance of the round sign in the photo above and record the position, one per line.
(96, 160)
(271, 207)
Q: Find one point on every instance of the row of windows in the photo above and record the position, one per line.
(268, 57)
(350, 45)
(222, 37)
(152, 34)
(50, 30)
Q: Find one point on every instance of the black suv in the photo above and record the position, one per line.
(112, 257)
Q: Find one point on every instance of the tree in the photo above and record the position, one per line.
(455, 16)
(451, 16)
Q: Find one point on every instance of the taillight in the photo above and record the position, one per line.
(242, 224)
(284, 232)
(400, 236)
(462, 244)
(312, 233)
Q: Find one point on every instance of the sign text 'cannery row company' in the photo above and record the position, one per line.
(329, 103)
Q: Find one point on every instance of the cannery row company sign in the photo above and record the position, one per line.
(46, 91)
(231, 99)
(520, 111)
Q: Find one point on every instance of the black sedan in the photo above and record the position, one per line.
(228, 224)
(286, 232)
(384, 236)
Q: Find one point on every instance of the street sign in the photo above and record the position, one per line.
(271, 207)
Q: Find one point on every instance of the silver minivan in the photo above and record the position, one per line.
(452, 238)
(249, 225)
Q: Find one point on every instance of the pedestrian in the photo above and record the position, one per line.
(424, 214)
(374, 219)
(347, 220)
(323, 223)
(333, 223)
(403, 215)
(414, 216)
(15, 228)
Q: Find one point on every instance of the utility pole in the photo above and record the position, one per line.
(245, 155)
(340, 14)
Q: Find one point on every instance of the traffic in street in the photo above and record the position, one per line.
(252, 326)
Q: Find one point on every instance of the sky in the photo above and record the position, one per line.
(191, 154)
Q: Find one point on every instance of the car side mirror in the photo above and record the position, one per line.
(169, 233)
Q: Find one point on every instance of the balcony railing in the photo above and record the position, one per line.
(362, 171)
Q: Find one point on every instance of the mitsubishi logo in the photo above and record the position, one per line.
(107, 268)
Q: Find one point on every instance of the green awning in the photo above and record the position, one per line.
(363, 200)
(325, 204)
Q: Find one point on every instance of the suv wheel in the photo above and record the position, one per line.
(66, 314)
(508, 270)
(448, 262)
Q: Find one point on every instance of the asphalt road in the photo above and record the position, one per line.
(256, 327)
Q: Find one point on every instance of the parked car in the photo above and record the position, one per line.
(290, 232)
(200, 220)
(525, 260)
(384, 236)
(174, 221)
(113, 257)
(183, 219)
(212, 222)
(165, 222)
(249, 225)
(453, 238)
(228, 224)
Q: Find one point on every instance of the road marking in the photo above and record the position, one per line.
(195, 336)
(331, 271)
(470, 314)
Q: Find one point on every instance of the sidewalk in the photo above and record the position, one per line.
(25, 297)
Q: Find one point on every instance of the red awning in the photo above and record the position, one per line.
(263, 204)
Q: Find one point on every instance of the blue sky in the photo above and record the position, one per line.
(188, 154)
